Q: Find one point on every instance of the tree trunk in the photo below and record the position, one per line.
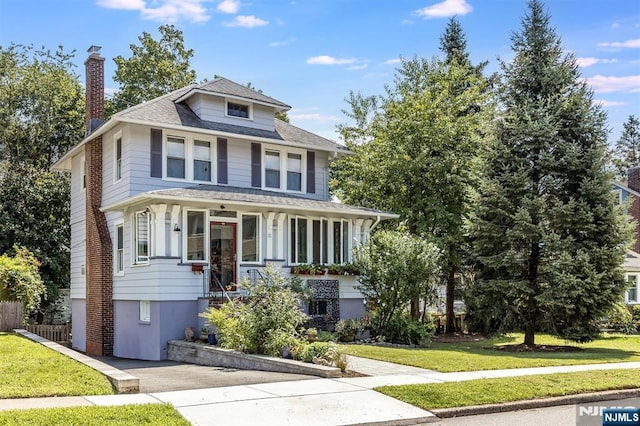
(529, 334)
(415, 308)
(451, 285)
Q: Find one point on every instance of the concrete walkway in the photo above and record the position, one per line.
(340, 401)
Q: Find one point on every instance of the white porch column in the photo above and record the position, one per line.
(357, 231)
(281, 237)
(366, 230)
(159, 228)
(175, 236)
(270, 237)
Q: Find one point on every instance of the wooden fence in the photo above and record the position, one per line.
(54, 333)
(10, 315)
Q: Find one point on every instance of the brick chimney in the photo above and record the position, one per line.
(99, 261)
(94, 88)
(633, 177)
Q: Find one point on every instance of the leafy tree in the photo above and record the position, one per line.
(34, 213)
(41, 105)
(627, 152)
(19, 279)
(415, 150)
(155, 68)
(395, 268)
(549, 237)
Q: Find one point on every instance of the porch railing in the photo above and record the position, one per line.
(211, 285)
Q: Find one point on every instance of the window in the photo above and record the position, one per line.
(294, 172)
(632, 293)
(235, 109)
(145, 311)
(320, 232)
(141, 237)
(83, 173)
(299, 237)
(272, 169)
(340, 241)
(318, 307)
(175, 157)
(250, 238)
(618, 196)
(119, 249)
(117, 173)
(195, 235)
(202, 160)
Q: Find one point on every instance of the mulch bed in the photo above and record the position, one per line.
(457, 338)
(535, 348)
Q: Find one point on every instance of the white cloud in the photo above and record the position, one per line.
(631, 44)
(393, 61)
(282, 43)
(315, 117)
(329, 60)
(608, 103)
(357, 67)
(167, 11)
(608, 84)
(589, 61)
(245, 21)
(445, 9)
(228, 6)
(615, 25)
(406, 22)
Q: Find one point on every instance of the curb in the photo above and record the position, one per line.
(535, 403)
(121, 381)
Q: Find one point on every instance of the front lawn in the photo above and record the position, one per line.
(146, 414)
(495, 391)
(471, 356)
(29, 370)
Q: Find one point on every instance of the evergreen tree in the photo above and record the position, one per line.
(627, 151)
(549, 238)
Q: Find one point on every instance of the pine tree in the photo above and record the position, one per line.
(549, 239)
(627, 151)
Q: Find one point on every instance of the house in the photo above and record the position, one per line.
(629, 194)
(178, 198)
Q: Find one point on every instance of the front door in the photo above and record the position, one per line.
(223, 253)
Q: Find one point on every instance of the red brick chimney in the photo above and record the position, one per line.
(633, 177)
(94, 88)
(99, 278)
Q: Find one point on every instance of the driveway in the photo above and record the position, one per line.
(163, 376)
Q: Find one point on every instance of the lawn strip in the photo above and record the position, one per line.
(141, 414)
(30, 370)
(496, 391)
(474, 356)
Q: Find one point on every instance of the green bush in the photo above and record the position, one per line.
(347, 329)
(405, 330)
(326, 336)
(266, 322)
(315, 350)
(20, 280)
(623, 320)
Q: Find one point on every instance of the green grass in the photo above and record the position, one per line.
(29, 370)
(146, 414)
(471, 356)
(495, 391)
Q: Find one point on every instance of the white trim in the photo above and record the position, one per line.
(116, 272)
(145, 311)
(134, 239)
(192, 92)
(117, 137)
(189, 159)
(185, 235)
(283, 153)
(637, 288)
(259, 237)
(83, 172)
(249, 106)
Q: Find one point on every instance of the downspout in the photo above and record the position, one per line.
(374, 224)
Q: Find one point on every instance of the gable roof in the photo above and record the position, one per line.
(223, 86)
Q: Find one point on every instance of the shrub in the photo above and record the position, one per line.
(326, 336)
(405, 330)
(315, 350)
(347, 329)
(623, 320)
(324, 353)
(20, 279)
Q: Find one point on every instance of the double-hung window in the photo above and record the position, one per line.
(250, 238)
(119, 249)
(202, 160)
(319, 241)
(196, 235)
(272, 169)
(175, 157)
(298, 241)
(340, 241)
(294, 172)
(141, 237)
(117, 173)
(632, 292)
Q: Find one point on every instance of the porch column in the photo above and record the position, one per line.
(175, 236)
(160, 225)
(270, 237)
(358, 232)
(280, 247)
(366, 230)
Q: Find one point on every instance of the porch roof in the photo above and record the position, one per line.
(215, 194)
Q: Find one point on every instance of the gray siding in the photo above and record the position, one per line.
(213, 109)
(239, 163)
(78, 229)
(79, 324)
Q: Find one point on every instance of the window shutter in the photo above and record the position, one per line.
(222, 161)
(311, 172)
(256, 165)
(156, 153)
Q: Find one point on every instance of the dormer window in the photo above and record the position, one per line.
(237, 109)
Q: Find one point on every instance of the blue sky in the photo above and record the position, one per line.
(311, 53)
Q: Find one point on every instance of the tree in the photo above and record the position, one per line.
(19, 279)
(41, 105)
(395, 268)
(416, 148)
(155, 68)
(549, 239)
(627, 151)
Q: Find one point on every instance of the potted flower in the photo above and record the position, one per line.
(204, 333)
(334, 269)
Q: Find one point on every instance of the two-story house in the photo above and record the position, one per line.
(629, 194)
(203, 179)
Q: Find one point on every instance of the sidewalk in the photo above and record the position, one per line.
(318, 401)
